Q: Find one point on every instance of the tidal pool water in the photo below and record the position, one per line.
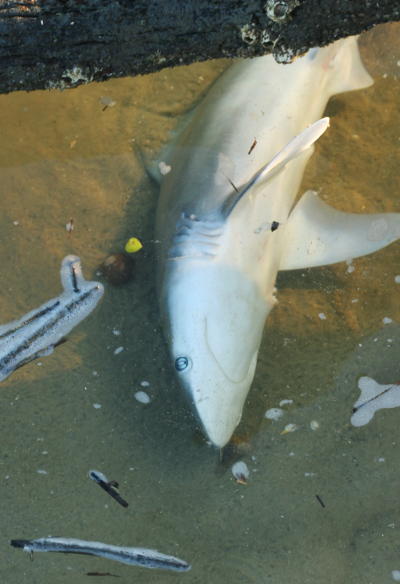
(321, 502)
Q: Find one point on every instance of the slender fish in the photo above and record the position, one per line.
(109, 487)
(38, 332)
(126, 555)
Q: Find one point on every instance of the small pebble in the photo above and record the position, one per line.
(118, 350)
(41, 471)
(396, 575)
(387, 320)
(314, 425)
(145, 383)
(142, 397)
(396, 278)
(322, 316)
(133, 245)
(117, 269)
(97, 406)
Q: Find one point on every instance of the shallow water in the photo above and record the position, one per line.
(68, 155)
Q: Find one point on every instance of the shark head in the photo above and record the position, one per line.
(215, 319)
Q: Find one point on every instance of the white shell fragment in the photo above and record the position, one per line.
(274, 413)
(374, 396)
(241, 472)
(289, 428)
(285, 402)
(69, 226)
(142, 397)
(164, 168)
(314, 425)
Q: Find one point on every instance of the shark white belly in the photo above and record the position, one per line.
(224, 237)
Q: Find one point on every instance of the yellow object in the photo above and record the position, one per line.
(133, 245)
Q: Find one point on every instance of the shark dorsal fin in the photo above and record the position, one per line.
(294, 148)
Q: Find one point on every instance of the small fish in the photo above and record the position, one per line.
(38, 332)
(108, 486)
(126, 555)
(102, 574)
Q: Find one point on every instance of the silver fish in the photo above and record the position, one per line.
(38, 332)
(126, 555)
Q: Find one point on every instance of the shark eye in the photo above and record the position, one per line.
(182, 363)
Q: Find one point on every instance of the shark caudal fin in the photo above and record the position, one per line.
(294, 148)
(318, 235)
(348, 71)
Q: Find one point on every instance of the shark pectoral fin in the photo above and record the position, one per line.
(294, 148)
(317, 235)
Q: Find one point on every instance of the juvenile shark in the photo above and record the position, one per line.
(38, 332)
(226, 228)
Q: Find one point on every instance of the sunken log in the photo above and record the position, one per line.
(65, 43)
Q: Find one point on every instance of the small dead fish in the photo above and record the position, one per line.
(108, 486)
(102, 574)
(38, 332)
(126, 555)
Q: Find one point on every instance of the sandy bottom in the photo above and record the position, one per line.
(69, 155)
